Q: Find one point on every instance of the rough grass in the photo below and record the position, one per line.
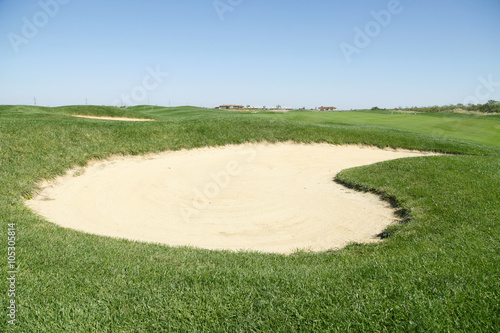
(21, 111)
(436, 272)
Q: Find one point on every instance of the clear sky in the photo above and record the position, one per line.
(295, 53)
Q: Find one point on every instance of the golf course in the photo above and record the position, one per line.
(436, 269)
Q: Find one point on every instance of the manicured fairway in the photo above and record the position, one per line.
(484, 129)
(437, 271)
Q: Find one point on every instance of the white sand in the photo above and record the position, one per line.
(113, 118)
(265, 197)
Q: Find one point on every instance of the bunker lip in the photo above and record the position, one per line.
(263, 197)
(112, 118)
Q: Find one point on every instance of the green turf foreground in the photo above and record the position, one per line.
(436, 272)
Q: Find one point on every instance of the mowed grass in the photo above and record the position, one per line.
(437, 271)
(483, 129)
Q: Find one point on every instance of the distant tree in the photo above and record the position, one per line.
(375, 108)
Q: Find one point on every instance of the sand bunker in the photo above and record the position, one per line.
(265, 197)
(113, 118)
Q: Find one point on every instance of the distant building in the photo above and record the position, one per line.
(327, 108)
(230, 106)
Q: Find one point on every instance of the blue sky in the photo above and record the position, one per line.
(250, 52)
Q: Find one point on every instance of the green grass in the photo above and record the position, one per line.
(482, 129)
(436, 272)
(26, 111)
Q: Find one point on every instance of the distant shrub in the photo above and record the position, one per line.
(489, 107)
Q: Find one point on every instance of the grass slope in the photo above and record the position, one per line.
(437, 272)
(27, 111)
